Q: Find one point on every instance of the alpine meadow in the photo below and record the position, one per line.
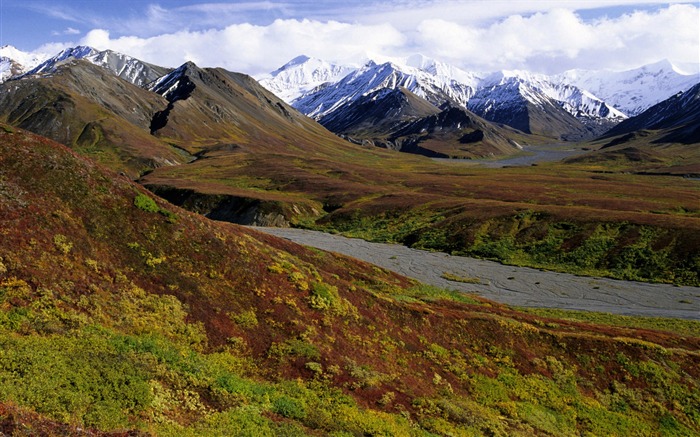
(144, 293)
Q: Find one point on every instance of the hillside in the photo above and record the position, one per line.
(93, 111)
(121, 312)
(663, 139)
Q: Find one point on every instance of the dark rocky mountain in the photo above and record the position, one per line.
(378, 113)
(678, 119)
(92, 110)
(400, 120)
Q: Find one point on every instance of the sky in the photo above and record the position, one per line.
(257, 37)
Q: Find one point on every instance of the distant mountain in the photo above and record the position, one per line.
(301, 75)
(438, 89)
(534, 105)
(14, 62)
(400, 120)
(664, 139)
(632, 91)
(379, 112)
(443, 85)
(128, 68)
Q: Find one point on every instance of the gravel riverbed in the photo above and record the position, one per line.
(520, 286)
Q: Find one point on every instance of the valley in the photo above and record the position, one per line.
(532, 154)
(515, 268)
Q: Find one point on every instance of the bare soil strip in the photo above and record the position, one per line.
(519, 286)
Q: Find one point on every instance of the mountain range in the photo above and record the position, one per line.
(162, 117)
(573, 105)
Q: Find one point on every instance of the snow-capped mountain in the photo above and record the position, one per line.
(536, 87)
(499, 97)
(597, 99)
(632, 91)
(14, 62)
(128, 68)
(514, 98)
(301, 75)
(436, 88)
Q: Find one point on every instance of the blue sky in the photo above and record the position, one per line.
(258, 36)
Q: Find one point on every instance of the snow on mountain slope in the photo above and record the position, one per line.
(439, 83)
(301, 75)
(537, 88)
(130, 69)
(677, 112)
(14, 61)
(632, 91)
(175, 85)
(436, 88)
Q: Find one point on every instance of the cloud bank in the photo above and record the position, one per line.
(550, 41)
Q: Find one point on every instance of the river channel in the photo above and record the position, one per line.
(519, 286)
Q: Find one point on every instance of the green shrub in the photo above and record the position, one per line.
(246, 319)
(145, 203)
(289, 407)
(81, 379)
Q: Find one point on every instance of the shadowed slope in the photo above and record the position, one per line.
(398, 119)
(662, 139)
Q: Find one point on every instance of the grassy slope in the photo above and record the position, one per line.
(120, 312)
(643, 152)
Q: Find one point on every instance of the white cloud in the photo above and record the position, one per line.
(256, 49)
(67, 31)
(549, 41)
(559, 39)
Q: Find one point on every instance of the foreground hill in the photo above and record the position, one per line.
(119, 312)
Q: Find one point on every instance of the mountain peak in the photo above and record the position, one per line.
(303, 74)
(49, 66)
(187, 67)
(664, 66)
(177, 85)
(294, 62)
